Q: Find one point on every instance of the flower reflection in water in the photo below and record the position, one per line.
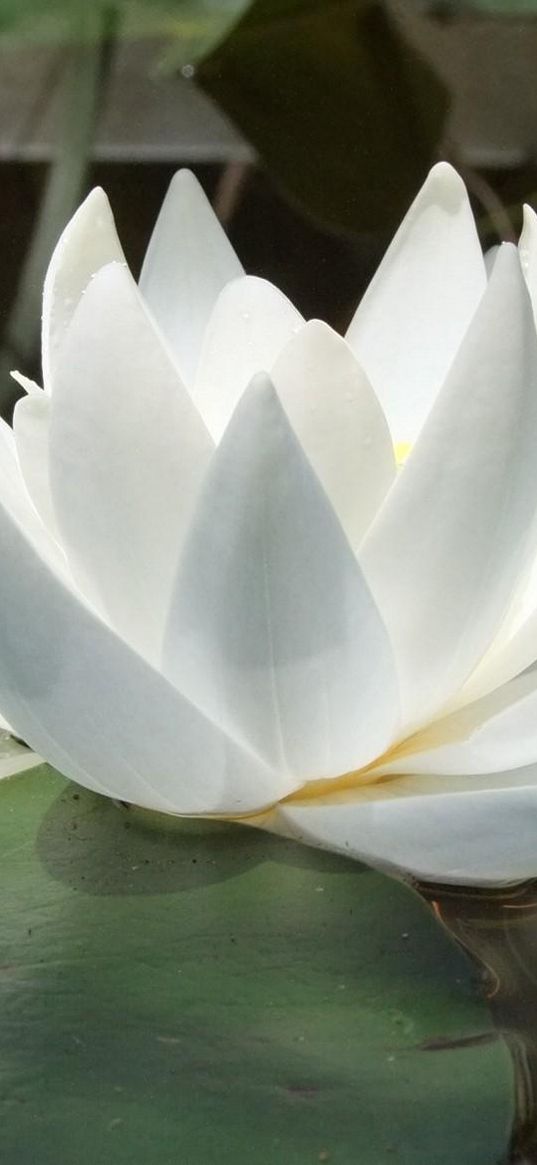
(498, 929)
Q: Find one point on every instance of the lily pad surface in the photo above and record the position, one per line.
(189, 992)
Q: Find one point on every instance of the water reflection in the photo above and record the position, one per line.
(498, 928)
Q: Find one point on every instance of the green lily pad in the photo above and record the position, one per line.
(177, 991)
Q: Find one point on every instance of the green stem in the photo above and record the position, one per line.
(82, 90)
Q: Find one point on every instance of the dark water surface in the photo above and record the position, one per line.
(498, 928)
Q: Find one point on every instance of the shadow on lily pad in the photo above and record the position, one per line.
(98, 846)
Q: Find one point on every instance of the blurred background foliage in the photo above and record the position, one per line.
(311, 124)
(202, 21)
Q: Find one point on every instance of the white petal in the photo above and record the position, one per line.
(16, 500)
(272, 629)
(8, 459)
(339, 423)
(98, 712)
(497, 732)
(528, 253)
(251, 323)
(31, 427)
(490, 257)
(28, 385)
(464, 832)
(127, 452)
(413, 317)
(188, 261)
(87, 243)
(513, 649)
(453, 537)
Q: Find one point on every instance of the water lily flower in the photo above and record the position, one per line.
(252, 569)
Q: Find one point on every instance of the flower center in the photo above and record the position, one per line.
(401, 451)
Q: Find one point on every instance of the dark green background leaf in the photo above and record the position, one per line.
(174, 991)
(341, 110)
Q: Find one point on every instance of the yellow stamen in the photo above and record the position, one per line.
(401, 451)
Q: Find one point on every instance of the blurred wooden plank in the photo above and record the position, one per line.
(147, 117)
(488, 64)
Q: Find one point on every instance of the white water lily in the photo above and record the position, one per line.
(252, 569)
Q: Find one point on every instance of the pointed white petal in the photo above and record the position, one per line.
(16, 500)
(465, 831)
(413, 317)
(273, 632)
(87, 243)
(127, 452)
(28, 385)
(339, 423)
(8, 460)
(514, 648)
(490, 257)
(445, 553)
(251, 323)
(188, 261)
(98, 712)
(31, 427)
(527, 247)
